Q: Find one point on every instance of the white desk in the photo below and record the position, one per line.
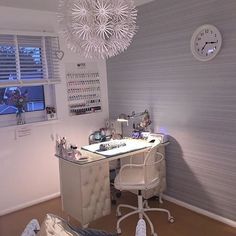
(85, 187)
(123, 148)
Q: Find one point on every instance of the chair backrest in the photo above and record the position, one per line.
(152, 166)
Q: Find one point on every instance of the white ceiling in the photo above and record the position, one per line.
(44, 5)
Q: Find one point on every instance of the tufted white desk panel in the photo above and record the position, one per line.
(85, 190)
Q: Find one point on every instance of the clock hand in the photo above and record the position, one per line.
(208, 43)
(204, 45)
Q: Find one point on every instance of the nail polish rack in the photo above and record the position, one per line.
(83, 88)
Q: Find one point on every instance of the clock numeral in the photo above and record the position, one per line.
(199, 39)
(206, 31)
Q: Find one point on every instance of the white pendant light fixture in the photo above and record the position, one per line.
(97, 28)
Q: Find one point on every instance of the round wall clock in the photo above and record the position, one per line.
(206, 42)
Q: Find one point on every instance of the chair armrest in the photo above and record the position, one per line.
(161, 159)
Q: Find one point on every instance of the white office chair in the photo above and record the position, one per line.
(140, 177)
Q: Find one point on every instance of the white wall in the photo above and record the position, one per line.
(28, 168)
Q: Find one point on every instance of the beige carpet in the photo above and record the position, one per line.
(187, 223)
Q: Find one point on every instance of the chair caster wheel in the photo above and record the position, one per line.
(171, 220)
(118, 231)
(118, 214)
(113, 202)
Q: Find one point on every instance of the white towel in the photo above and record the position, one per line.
(141, 228)
(30, 228)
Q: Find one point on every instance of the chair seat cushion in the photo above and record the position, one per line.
(132, 178)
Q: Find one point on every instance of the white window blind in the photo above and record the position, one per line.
(28, 60)
(7, 58)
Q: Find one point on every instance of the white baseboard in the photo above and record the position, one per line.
(28, 204)
(200, 211)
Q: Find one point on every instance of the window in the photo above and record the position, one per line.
(29, 67)
(35, 99)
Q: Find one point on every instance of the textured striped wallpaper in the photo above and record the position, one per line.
(194, 102)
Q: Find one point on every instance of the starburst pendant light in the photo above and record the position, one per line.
(97, 28)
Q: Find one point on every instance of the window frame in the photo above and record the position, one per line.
(47, 83)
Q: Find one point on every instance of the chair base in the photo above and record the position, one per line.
(141, 210)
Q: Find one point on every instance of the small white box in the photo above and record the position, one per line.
(52, 116)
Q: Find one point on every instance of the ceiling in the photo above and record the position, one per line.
(44, 5)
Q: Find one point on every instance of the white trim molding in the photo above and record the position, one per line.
(31, 203)
(200, 211)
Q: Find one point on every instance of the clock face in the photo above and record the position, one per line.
(206, 42)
